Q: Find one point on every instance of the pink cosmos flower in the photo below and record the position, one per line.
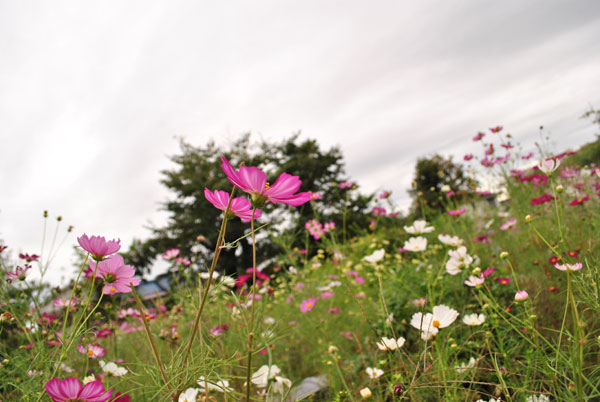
(333, 310)
(98, 247)
(29, 258)
(508, 224)
(379, 211)
(456, 212)
(528, 156)
(503, 281)
(19, 274)
(218, 329)
(71, 390)
(308, 304)
(239, 206)
(116, 275)
(184, 261)
(496, 129)
(170, 253)
(346, 184)
(254, 181)
(579, 201)
(479, 136)
(569, 267)
(468, 157)
(487, 272)
(92, 351)
(327, 295)
(475, 280)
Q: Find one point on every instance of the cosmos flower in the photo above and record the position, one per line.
(281, 385)
(170, 253)
(219, 386)
(415, 244)
(70, 389)
(569, 267)
(92, 351)
(254, 181)
(508, 224)
(19, 274)
(456, 212)
(112, 368)
(475, 280)
(390, 343)
(496, 129)
(374, 372)
(240, 207)
(116, 275)
(429, 323)
(308, 304)
(459, 260)
(189, 395)
(479, 136)
(474, 319)
(419, 226)
(98, 247)
(453, 241)
(521, 295)
(579, 201)
(548, 165)
(376, 256)
(265, 373)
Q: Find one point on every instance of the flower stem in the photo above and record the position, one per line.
(251, 334)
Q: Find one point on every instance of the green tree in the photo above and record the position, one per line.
(193, 223)
(433, 173)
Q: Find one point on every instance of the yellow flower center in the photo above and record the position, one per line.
(308, 305)
(90, 353)
(267, 185)
(113, 290)
(435, 323)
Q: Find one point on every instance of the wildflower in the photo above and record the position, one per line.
(418, 227)
(254, 181)
(386, 194)
(479, 136)
(378, 211)
(374, 372)
(218, 329)
(239, 206)
(415, 244)
(569, 267)
(482, 239)
(548, 165)
(456, 212)
(98, 247)
(579, 201)
(189, 395)
(521, 295)
(70, 389)
(265, 373)
(496, 129)
(467, 157)
(333, 310)
(503, 281)
(366, 393)
(390, 343)
(508, 224)
(29, 258)
(307, 305)
(528, 218)
(475, 280)
(19, 274)
(503, 255)
(376, 256)
(183, 261)
(170, 253)
(466, 366)
(453, 241)
(537, 398)
(429, 323)
(544, 198)
(92, 351)
(346, 184)
(419, 302)
(112, 368)
(281, 385)
(60, 302)
(474, 319)
(219, 386)
(116, 275)
(459, 259)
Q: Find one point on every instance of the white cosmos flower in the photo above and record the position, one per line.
(416, 244)
(429, 323)
(330, 286)
(537, 398)
(448, 240)
(265, 373)
(189, 395)
(112, 368)
(374, 372)
(206, 275)
(549, 165)
(418, 227)
(376, 256)
(466, 366)
(459, 260)
(390, 343)
(220, 386)
(281, 385)
(474, 319)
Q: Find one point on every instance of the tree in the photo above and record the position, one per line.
(431, 175)
(193, 224)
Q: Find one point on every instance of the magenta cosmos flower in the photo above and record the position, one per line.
(92, 351)
(19, 274)
(308, 304)
(254, 181)
(98, 247)
(71, 390)
(240, 207)
(116, 275)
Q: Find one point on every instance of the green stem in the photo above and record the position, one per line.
(251, 334)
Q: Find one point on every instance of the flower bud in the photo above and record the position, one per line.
(503, 255)
(528, 218)
(560, 188)
(366, 393)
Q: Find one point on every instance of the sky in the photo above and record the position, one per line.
(94, 95)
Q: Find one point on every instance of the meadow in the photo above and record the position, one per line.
(494, 296)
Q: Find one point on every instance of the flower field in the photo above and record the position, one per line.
(494, 296)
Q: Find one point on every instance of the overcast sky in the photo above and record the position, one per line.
(93, 94)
